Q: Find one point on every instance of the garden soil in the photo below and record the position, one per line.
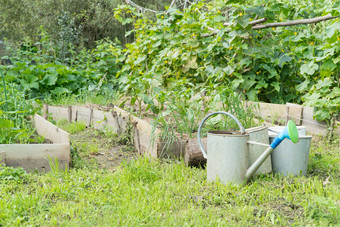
(106, 151)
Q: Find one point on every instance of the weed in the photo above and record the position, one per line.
(86, 148)
(76, 161)
(15, 125)
(73, 127)
(12, 174)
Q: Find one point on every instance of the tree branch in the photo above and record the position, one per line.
(172, 3)
(277, 24)
(215, 31)
(140, 8)
(254, 22)
(296, 22)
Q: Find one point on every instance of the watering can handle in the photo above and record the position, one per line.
(243, 131)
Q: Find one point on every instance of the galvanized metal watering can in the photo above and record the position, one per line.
(228, 152)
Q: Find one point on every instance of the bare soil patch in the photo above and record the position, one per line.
(107, 150)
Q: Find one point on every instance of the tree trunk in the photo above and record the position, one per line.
(193, 154)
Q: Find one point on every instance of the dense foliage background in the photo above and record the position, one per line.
(77, 22)
(297, 64)
(168, 61)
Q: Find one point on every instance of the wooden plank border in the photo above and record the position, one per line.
(145, 136)
(2, 158)
(33, 157)
(50, 131)
(301, 115)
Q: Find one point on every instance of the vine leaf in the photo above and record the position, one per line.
(309, 68)
(190, 64)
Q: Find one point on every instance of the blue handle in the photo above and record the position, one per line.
(277, 140)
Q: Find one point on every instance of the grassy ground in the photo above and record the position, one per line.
(167, 193)
(101, 148)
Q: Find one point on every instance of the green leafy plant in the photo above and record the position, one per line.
(12, 174)
(15, 125)
(42, 73)
(213, 46)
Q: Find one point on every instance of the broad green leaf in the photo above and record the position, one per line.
(226, 45)
(175, 54)
(258, 10)
(60, 91)
(219, 18)
(29, 82)
(332, 29)
(322, 114)
(303, 86)
(190, 64)
(248, 84)
(126, 20)
(245, 62)
(311, 99)
(276, 86)
(243, 21)
(309, 68)
(326, 83)
(336, 60)
(49, 80)
(140, 59)
(325, 73)
(158, 43)
(336, 91)
(261, 84)
(284, 59)
(228, 70)
(328, 65)
(271, 70)
(147, 100)
(236, 83)
(251, 94)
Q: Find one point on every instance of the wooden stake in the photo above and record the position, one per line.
(45, 111)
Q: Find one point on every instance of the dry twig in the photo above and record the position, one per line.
(256, 23)
(296, 22)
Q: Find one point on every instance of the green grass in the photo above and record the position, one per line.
(73, 127)
(167, 193)
(83, 98)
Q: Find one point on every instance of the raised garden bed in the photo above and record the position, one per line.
(32, 157)
(147, 138)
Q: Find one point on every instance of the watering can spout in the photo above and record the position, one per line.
(290, 132)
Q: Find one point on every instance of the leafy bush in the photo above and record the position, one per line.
(41, 72)
(15, 125)
(288, 64)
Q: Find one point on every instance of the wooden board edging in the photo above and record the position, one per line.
(145, 136)
(301, 115)
(50, 131)
(33, 157)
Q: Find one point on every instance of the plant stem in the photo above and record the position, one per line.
(5, 91)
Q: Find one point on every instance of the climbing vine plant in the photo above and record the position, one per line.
(216, 46)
